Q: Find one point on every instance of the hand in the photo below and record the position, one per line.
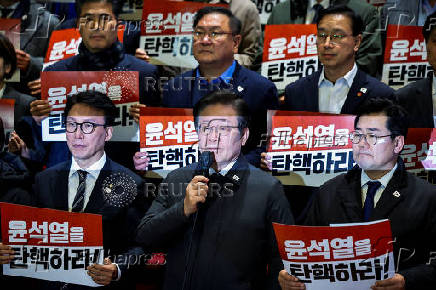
(288, 282)
(395, 283)
(18, 146)
(196, 192)
(265, 161)
(135, 110)
(141, 54)
(23, 60)
(39, 110)
(35, 87)
(103, 274)
(141, 160)
(6, 254)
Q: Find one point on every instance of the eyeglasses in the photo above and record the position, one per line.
(370, 138)
(335, 38)
(222, 130)
(86, 127)
(198, 34)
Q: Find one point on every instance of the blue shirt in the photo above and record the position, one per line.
(202, 87)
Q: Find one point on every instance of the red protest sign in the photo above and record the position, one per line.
(289, 53)
(169, 137)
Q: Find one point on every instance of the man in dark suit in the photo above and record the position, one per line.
(379, 187)
(419, 98)
(87, 183)
(216, 40)
(340, 87)
(218, 229)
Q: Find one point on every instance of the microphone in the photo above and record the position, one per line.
(205, 161)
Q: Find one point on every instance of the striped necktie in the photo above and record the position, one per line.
(79, 199)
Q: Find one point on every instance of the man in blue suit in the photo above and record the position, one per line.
(340, 87)
(216, 40)
(91, 182)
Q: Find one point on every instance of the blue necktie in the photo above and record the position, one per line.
(369, 201)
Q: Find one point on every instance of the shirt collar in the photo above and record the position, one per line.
(94, 169)
(225, 170)
(384, 180)
(226, 76)
(349, 76)
(12, 7)
(2, 91)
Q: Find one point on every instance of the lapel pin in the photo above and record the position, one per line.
(364, 90)
(235, 177)
(396, 194)
(240, 89)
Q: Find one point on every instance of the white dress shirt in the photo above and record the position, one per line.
(91, 177)
(331, 97)
(2, 91)
(384, 180)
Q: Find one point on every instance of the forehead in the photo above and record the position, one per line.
(373, 122)
(101, 7)
(335, 22)
(83, 110)
(214, 20)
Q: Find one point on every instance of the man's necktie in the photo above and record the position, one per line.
(79, 199)
(318, 8)
(369, 201)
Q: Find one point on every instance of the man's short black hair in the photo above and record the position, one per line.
(429, 25)
(95, 100)
(116, 5)
(398, 121)
(356, 20)
(224, 97)
(235, 23)
(7, 52)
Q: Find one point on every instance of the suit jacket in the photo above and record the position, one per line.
(417, 99)
(302, 95)
(230, 242)
(412, 217)
(119, 223)
(292, 12)
(259, 93)
(22, 103)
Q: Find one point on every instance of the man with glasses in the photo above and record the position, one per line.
(340, 86)
(216, 223)
(379, 187)
(81, 184)
(216, 40)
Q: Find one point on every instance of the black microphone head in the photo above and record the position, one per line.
(205, 162)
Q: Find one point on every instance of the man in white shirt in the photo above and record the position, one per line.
(90, 182)
(340, 86)
(379, 187)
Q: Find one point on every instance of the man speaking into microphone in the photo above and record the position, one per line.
(217, 230)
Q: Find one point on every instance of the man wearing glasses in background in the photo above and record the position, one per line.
(340, 86)
(80, 184)
(216, 223)
(379, 187)
(216, 41)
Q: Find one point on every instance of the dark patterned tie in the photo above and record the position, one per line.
(369, 201)
(79, 199)
(318, 8)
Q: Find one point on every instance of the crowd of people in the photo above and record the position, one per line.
(215, 224)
